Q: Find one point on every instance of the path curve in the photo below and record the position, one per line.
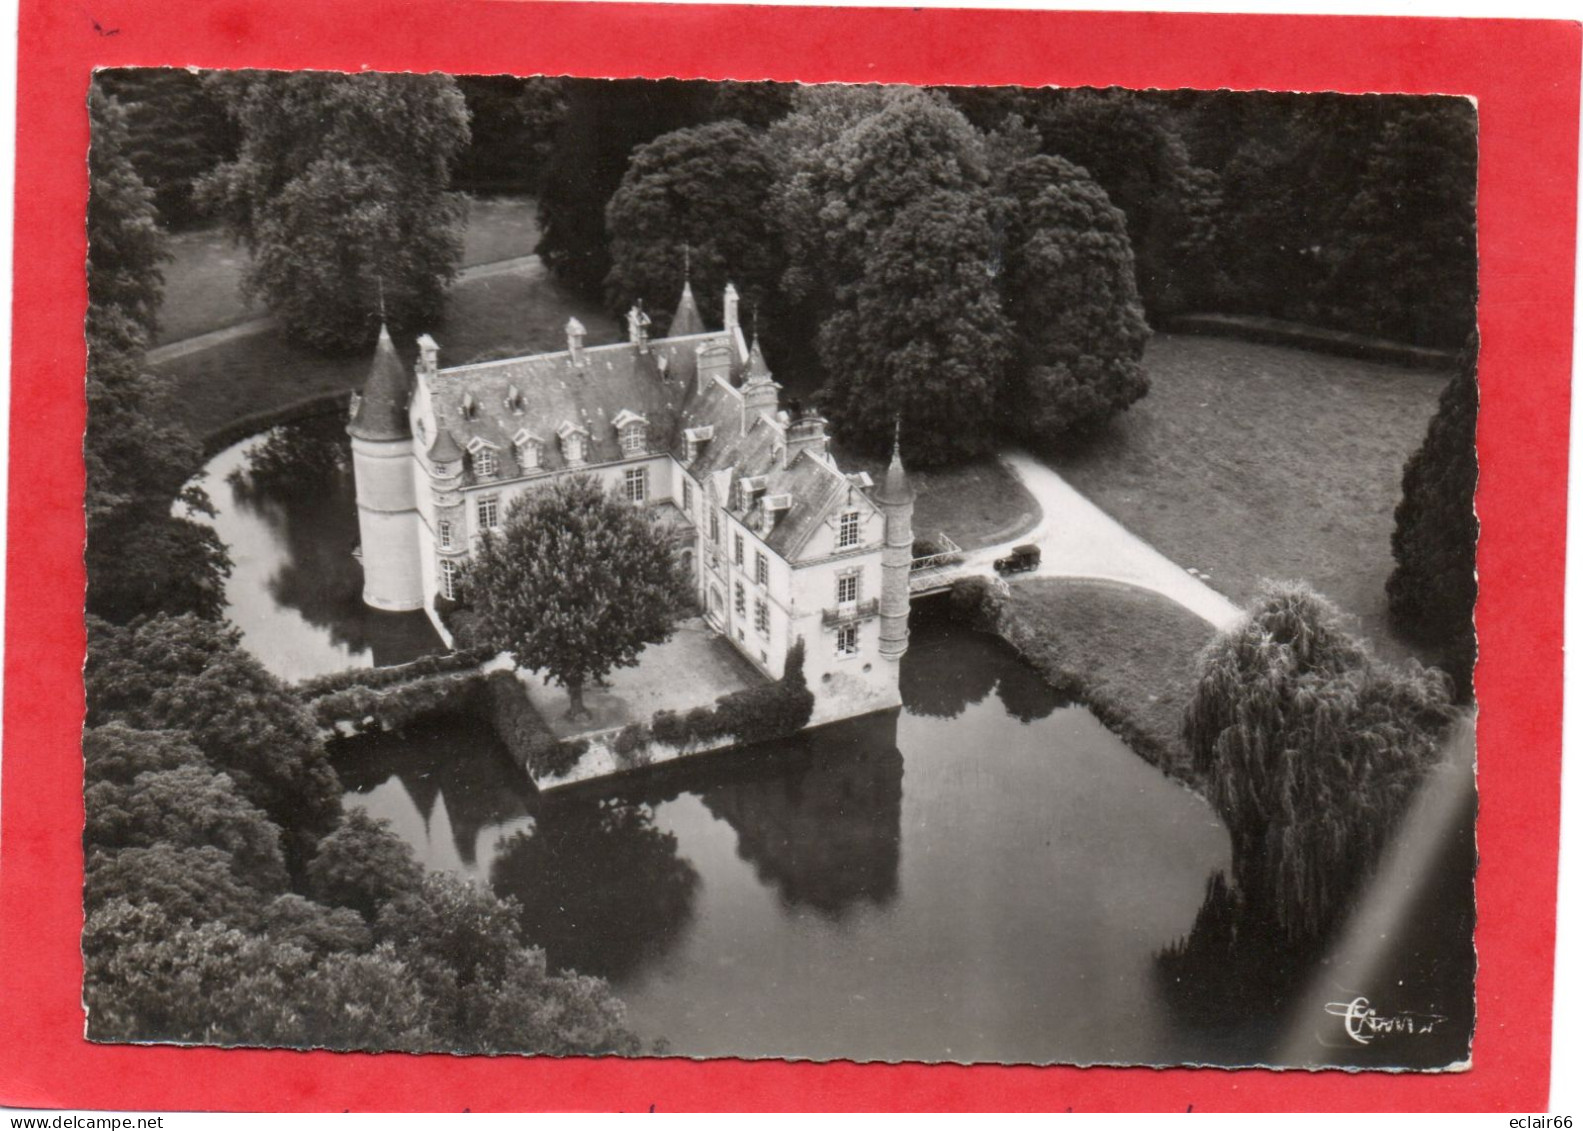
(1080, 541)
(526, 264)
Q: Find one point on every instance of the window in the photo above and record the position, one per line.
(740, 558)
(687, 495)
(848, 535)
(761, 568)
(742, 601)
(633, 440)
(846, 589)
(761, 617)
(448, 578)
(489, 513)
(637, 484)
(714, 527)
(484, 463)
(846, 640)
(445, 534)
(528, 454)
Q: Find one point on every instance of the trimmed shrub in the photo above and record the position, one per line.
(754, 714)
(669, 727)
(402, 705)
(631, 745)
(385, 677)
(518, 724)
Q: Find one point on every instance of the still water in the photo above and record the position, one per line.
(986, 874)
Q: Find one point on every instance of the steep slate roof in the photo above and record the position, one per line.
(382, 409)
(660, 386)
(686, 320)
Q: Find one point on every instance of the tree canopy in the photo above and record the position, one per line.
(1071, 295)
(340, 190)
(141, 556)
(577, 584)
(1310, 749)
(1433, 589)
(695, 197)
(187, 674)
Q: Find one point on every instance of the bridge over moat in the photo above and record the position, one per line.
(937, 572)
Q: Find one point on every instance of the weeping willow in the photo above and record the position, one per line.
(1311, 749)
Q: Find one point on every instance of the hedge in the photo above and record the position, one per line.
(518, 724)
(400, 706)
(752, 715)
(386, 677)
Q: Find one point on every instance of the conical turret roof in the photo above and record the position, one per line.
(758, 369)
(445, 449)
(895, 489)
(382, 411)
(686, 320)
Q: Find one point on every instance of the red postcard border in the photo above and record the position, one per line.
(1525, 76)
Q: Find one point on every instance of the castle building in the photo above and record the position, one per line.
(780, 544)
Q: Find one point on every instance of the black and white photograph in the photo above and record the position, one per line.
(633, 567)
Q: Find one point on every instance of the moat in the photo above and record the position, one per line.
(986, 874)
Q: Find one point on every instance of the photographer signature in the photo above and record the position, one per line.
(1363, 1023)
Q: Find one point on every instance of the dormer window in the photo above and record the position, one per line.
(530, 450)
(514, 400)
(574, 444)
(484, 464)
(848, 535)
(469, 406)
(633, 431)
(696, 439)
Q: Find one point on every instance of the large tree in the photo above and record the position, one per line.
(605, 120)
(1071, 294)
(188, 674)
(921, 337)
(577, 584)
(341, 192)
(1128, 141)
(142, 557)
(700, 196)
(176, 132)
(1433, 588)
(126, 245)
(1310, 750)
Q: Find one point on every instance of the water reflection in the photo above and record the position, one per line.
(820, 822)
(602, 890)
(449, 790)
(287, 515)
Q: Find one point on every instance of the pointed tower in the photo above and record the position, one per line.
(895, 498)
(686, 320)
(382, 466)
(760, 393)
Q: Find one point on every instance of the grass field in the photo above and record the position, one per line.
(1249, 461)
(977, 504)
(203, 283)
(1128, 653)
(525, 310)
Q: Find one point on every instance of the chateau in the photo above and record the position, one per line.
(780, 543)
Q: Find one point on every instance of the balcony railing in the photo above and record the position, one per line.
(849, 611)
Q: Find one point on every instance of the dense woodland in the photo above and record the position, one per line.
(981, 264)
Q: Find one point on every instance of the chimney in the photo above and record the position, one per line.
(574, 341)
(714, 360)
(807, 434)
(428, 356)
(732, 302)
(638, 327)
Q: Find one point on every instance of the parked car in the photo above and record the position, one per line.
(1021, 559)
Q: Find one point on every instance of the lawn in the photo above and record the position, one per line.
(524, 312)
(1250, 461)
(1128, 653)
(203, 283)
(978, 503)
